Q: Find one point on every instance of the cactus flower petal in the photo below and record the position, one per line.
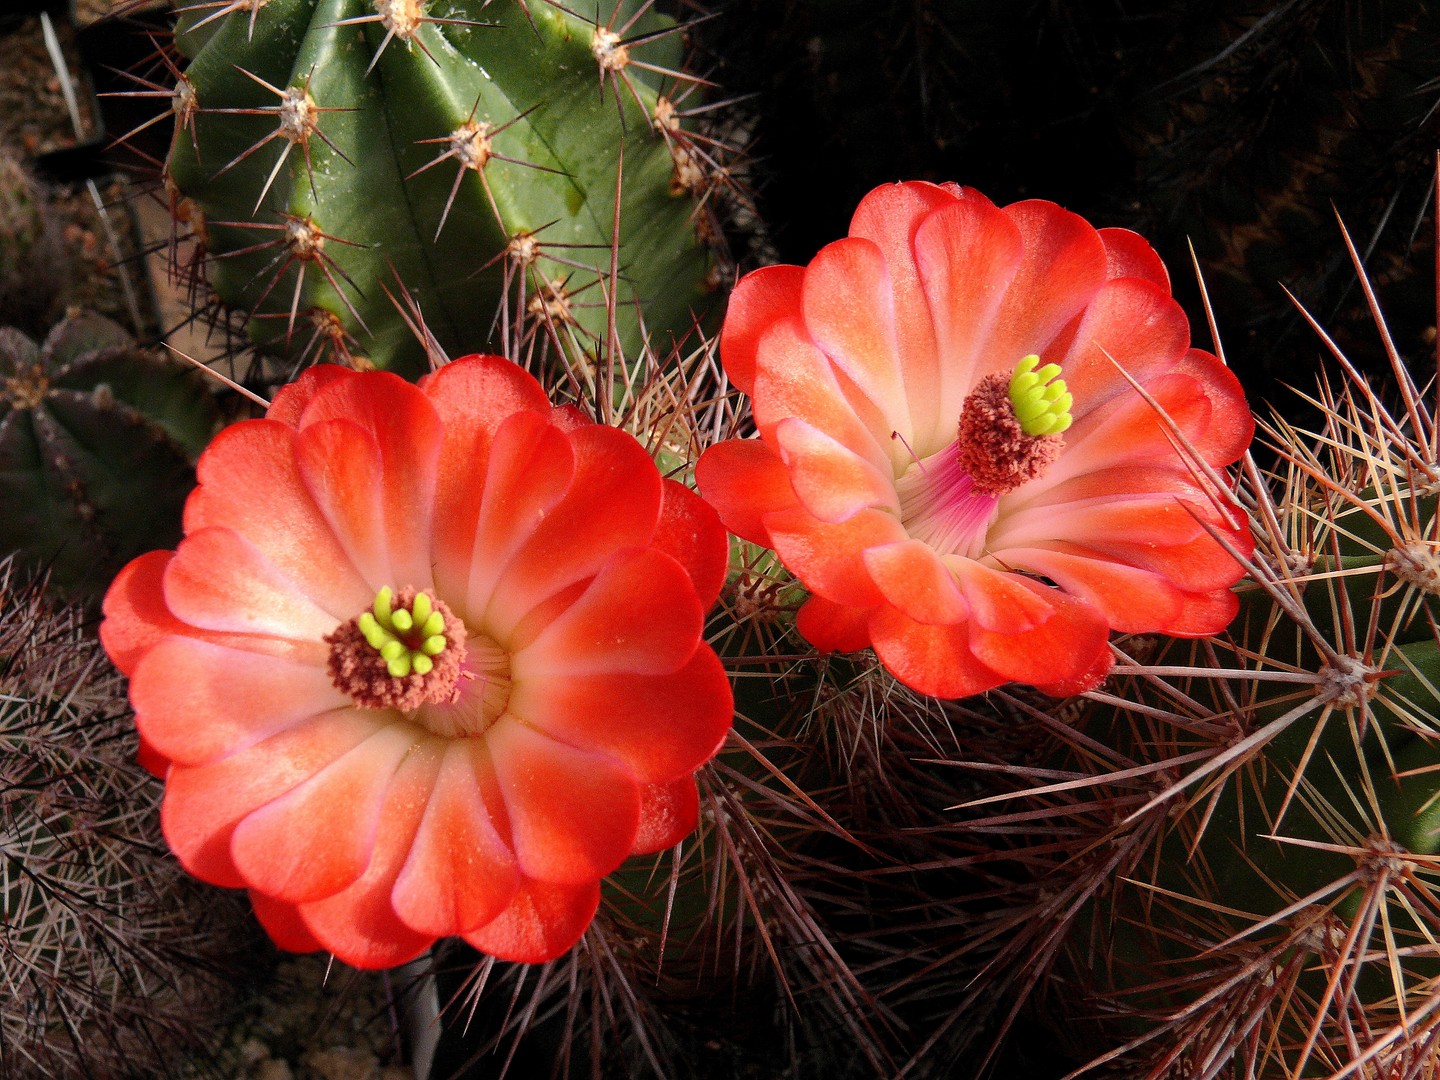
(669, 813)
(540, 923)
(985, 442)
(454, 679)
(690, 532)
(464, 819)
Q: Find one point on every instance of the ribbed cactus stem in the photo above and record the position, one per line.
(340, 149)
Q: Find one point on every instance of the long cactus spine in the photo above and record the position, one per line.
(1223, 863)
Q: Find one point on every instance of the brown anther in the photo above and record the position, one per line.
(297, 114)
(992, 447)
(27, 388)
(356, 668)
(608, 50)
(401, 17)
(470, 144)
(304, 238)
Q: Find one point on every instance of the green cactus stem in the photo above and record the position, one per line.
(331, 154)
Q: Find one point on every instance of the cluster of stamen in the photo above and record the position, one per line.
(407, 650)
(1009, 430)
(1008, 434)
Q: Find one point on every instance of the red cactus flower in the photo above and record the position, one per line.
(924, 469)
(428, 662)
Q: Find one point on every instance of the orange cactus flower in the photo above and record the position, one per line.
(428, 662)
(984, 442)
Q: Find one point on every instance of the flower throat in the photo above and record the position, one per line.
(1009, 433)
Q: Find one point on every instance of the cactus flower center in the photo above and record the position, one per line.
(407, 650)
(1008, 434)
(1010, 431)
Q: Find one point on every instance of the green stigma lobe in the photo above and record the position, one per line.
(1040, 398)
(406, 640)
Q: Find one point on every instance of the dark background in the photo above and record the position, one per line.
(1232, 125)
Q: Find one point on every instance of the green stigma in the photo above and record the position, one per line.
(406, 640)
(1041, 402)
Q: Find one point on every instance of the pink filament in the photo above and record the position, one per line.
(939, 505)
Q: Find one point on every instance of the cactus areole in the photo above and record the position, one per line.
(332, 153)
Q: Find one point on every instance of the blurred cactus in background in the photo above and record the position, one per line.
(97, 443)
(1232, 125)
(31, 270)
